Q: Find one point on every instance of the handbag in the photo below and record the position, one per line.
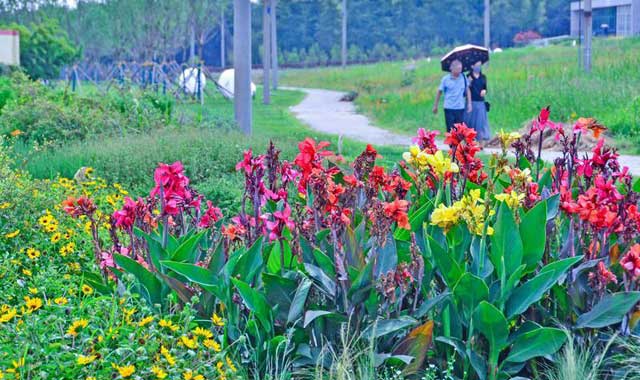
(487, 106)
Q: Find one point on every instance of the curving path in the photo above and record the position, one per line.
(323, 111)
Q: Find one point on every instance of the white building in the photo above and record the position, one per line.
(610, 17)
(9, 47)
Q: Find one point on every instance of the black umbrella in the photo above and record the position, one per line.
(467, 54)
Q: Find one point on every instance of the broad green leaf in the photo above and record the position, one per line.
(201, 276)
(506, 244)
(531, 291)
(322, 280)
(148, 281)
(386, 257)
(256, 302)
(553, 205)
(156, 252)
(274, 262)
(194, 273)
(611, 309)
(360, 287)
(430, 304)
(279, 292)
(312, 315)
(387, 326)
(416, 344)
(188, 249)
(449, 268)
(534, 237)
(491, 323)
(324, 262)
(250, 262)
(299, 300)
(469, 292)
(539, 342)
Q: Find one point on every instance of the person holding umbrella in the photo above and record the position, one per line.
(478, 119)
(455, 86)
(456, 92)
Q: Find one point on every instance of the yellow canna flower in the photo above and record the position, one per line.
(512, 199)
(507, 138)
(445, 217)
(441, 164)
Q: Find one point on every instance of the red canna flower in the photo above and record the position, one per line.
(210, 217)
(631, 262)
(78, 206)
(460, 133)
(126, 217)
(426, 140)
(602, 277)
(397, 210)
(310, 157)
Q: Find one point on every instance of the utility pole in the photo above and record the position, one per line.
(487, 24)
(266, 53)
(242, 64)
(274, 43)
(344, 33)
(588, 32)
(223, 47)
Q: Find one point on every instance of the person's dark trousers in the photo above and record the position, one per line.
(453, 117)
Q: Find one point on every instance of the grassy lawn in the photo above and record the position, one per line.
(521, 81)
(209, 152)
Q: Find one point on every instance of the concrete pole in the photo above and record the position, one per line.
(242, 64)
(588, 32)
(344, 33)
(223, 47)
(192, 43)
(274, 43)
(487, 24)
(266, 53)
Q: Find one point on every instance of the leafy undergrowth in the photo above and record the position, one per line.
(56, 321)
(520, 82)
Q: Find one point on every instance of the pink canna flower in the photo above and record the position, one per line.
(631, 262)
(126, 217)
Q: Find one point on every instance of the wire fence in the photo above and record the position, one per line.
(169, 78)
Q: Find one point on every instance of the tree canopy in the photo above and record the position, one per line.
(308, 30)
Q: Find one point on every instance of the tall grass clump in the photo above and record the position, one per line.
(578, 360)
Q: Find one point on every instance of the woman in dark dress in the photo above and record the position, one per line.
(477, 118)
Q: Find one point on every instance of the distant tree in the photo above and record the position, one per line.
(44, 49)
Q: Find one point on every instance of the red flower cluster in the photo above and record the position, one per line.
(126, 217)
(631, 262)
(464, 148)
(598, 206)
(173, 187)
(310, 158)
(426, 140)
(397, 210)
(78, 206)
(210, 216)
(602, 277)
(281, 219)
